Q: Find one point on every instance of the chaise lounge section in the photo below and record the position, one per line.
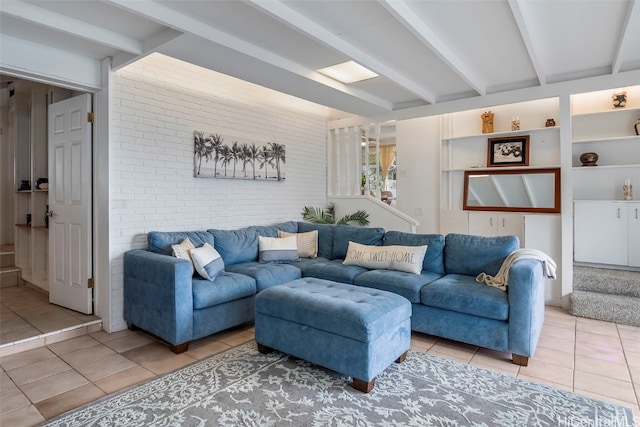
(163, 297)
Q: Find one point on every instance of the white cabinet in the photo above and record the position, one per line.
(606, 232)
(497, 224)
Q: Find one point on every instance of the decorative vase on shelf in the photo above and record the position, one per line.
(550, 123)
(487, 122)
(619, 99)
(637, 126)
(589, 159)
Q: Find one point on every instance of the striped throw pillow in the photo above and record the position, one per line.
(275, 249)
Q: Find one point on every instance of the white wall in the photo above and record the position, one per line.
(156, 104)
(418, 174)
(6, 177)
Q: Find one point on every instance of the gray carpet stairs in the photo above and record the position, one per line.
(604, 294)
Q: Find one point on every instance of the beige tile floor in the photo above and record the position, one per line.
(590, 357)
(26, 313)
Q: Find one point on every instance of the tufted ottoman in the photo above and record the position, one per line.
(353, 330)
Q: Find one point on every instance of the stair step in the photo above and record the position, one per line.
(606, 281)
(7, 250)
(619, 309)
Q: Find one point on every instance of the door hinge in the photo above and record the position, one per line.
(90, 283)
(90, 117)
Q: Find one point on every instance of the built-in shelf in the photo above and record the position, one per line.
(23, 191)
(503, 168)
(500, 134)
(604, 112)
(594, 168)
(41, 227)
(41, 191)
(23, 225)
(634, 138)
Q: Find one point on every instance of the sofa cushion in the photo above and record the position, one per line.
(461, 293)
(333, 270)
(226, 287)
(345, 233)
(472, 255)
(307, 242)
(266, 275)
(277, 249)
(400, 258)
(160, 242)
(181, 250)
(325, 237)
(236, 246)
(433, 259)
(272, 230)
(406, 284)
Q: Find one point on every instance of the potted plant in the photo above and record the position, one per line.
(327, 216)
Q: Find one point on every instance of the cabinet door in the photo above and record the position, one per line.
(634, 234)
(483, 223)
(511, 224)
(600, 232)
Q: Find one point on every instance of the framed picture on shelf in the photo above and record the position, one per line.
(508, 151)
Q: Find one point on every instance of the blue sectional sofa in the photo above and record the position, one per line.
(162, 296)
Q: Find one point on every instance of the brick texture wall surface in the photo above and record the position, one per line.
(156, 104)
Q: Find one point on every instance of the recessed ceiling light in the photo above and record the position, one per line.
(348, 72)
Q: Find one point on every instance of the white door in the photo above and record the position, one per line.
(70, 257)
(634, 234)
(600, 232)
(511, 225)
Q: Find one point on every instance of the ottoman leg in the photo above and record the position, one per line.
(264, 349)
(363, 386)
(402, 357)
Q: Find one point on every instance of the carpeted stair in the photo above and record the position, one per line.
(604, 294)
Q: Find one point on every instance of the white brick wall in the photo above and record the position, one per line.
(156, 104)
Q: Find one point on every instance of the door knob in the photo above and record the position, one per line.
(49, 214)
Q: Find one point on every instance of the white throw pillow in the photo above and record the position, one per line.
(401, 258)
(181, 250)
(207, 261)
(307, 242)
(277, 249)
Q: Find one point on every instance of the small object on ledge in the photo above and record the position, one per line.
(487, 122)
(550, 123)
(28, 219)
(619, 98)
(25, 185)
(637, 126)
(40, 182)
(44, 186)
(515, 123)
(589, 159)
(627, 189)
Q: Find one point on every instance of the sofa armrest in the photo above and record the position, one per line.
(158, 295)
(526, 306)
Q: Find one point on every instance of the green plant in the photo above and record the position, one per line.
(327, 216)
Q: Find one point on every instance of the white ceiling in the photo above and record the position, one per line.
(425, 51)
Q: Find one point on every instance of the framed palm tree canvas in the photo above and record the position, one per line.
(221, 156)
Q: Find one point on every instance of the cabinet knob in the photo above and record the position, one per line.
(618, 212)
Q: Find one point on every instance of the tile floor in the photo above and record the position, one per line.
(590, 357)
(26, 313)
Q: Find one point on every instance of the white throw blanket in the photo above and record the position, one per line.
(501, 279)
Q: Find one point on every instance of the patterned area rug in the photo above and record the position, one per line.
(242, 387)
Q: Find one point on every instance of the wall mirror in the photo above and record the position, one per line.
(512, 190)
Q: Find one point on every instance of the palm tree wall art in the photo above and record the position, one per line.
(220, 156)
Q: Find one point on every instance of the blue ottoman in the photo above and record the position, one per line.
(350, 329)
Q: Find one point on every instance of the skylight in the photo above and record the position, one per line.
(348, 72)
